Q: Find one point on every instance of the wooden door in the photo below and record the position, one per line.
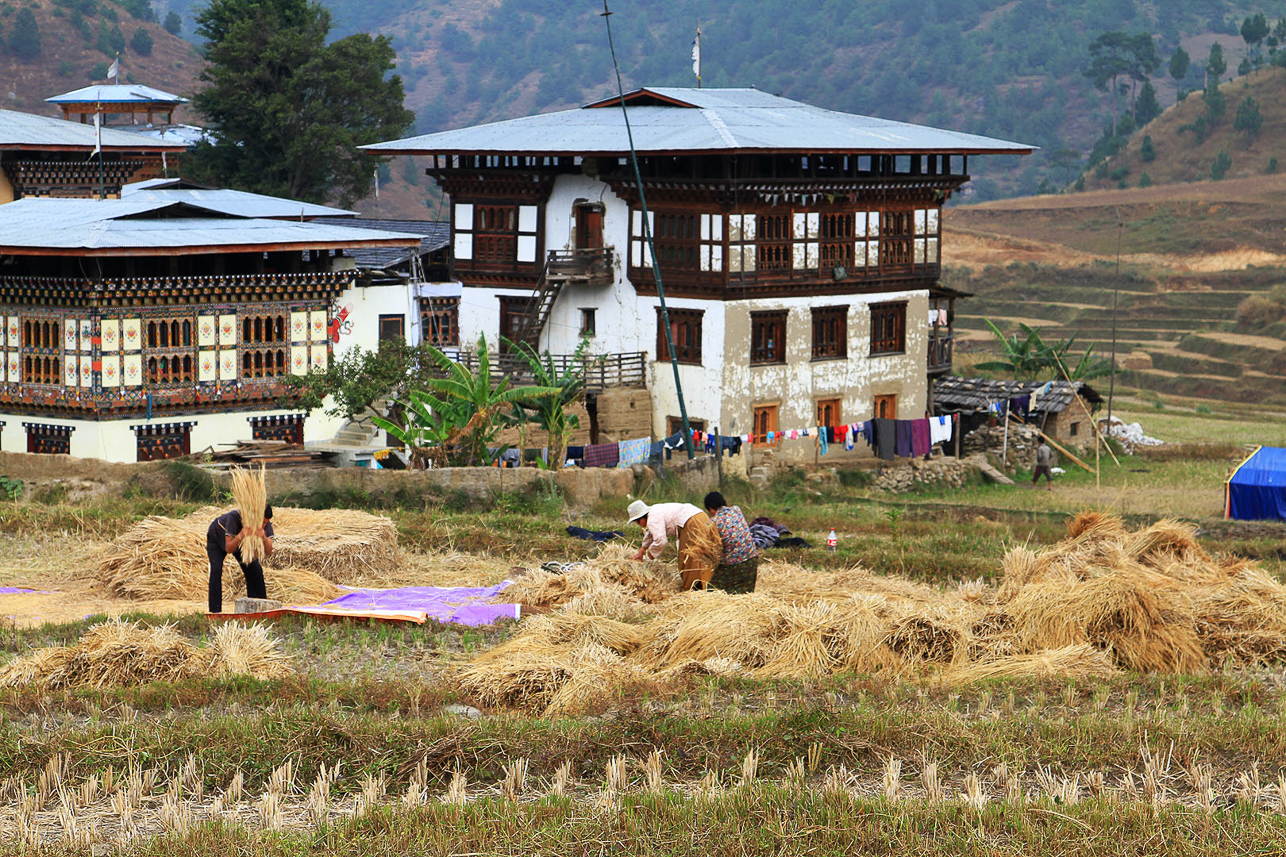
(765, 422)
(589, 227)
(511, 312)
(886, 407)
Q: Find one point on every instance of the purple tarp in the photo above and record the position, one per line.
(14, 590)
(463, 605)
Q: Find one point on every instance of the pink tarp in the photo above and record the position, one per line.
(461, 605)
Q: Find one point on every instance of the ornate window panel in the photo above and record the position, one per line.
(158, 441)
(48, 440)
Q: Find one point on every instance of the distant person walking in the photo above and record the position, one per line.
(1044, 458)
(739, 568)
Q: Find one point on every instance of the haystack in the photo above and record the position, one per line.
(1103, 599)
(165, 558)
(116, 653)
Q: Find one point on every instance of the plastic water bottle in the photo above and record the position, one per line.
(832, 542)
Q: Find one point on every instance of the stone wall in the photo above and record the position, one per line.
(947, 471)
(82, 478)
(1023, 441)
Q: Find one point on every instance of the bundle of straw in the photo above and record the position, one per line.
(251, 497)
(118, 653)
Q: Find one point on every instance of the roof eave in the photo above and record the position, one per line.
(198, 249)
(386, 149)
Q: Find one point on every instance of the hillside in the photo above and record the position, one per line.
(73, 42)
(1183, 153)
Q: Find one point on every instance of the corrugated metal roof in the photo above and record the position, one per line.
(34, 225)
(717, 120)
(436, 235)
(187, 135)
(117, 93)
(234, 202)
(27, 130)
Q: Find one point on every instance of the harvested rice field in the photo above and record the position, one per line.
(953, 680)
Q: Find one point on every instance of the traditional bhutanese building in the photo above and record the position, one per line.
(799, 249)
(46, 157)
(168, 322)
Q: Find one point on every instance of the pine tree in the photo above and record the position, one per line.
(24, 38)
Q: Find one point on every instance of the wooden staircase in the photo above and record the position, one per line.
(562, 268)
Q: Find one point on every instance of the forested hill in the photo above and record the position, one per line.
(1004, 68)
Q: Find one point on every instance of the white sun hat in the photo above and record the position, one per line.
(637, 510)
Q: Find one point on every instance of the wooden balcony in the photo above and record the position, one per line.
(588, 267)
(941, 349)
(603, 372)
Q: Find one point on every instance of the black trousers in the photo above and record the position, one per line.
(214, 549)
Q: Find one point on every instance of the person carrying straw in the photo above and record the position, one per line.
(228, 534)
(700, 548)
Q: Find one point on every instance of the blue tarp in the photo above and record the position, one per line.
(1256, 491)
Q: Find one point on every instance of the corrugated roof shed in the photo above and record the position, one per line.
(29, 131)
(234, 202)
(695, 121)
(111, 227)
(434, 236)
(117, 93)
(953, 394)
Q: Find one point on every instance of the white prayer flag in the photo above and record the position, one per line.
(114, 70)
(696, 55)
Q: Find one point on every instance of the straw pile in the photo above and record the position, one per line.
(251, 496)
(1101, 600)
(116, 653)
(165, 558)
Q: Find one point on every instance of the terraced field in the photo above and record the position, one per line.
(1176, 327)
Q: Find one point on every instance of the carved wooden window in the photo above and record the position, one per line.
(897, 230)
(41, 351)
(774, 243)
(288, 427)
(888, 328)
(440, 321)
(171, 369)
(685, 328)
(767, 338)
(48, 440)
(158, 442)
(765, 425)
(830, 332)
(828, 413)
(495, 233)
(836, 247)
(886, 407)
(263, 363)
(257, 329)
(686, 241)
(169, 333)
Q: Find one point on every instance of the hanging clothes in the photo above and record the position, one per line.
(868, 432)
(602, 455)
(884, 432)
(902, 430)
(920, 443)
(940, 429)
(822, 443)
(631, 452)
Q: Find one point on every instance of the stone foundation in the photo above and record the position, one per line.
(945, 471)
(1023, 441)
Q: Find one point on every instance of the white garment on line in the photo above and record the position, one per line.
(939, 429)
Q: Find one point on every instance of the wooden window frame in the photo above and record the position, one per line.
(830, 333)
(885, 407)
(389, 318)
(588, 321)
(888, 328)
(675, 425)
(834, 405)
(768, 337)
(685, 328)
(41, 351)
(765, 419)
(440, 322)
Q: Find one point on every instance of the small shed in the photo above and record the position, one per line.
(1048, 405)
(1256, 490)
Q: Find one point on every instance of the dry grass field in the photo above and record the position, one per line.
(391, 739)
